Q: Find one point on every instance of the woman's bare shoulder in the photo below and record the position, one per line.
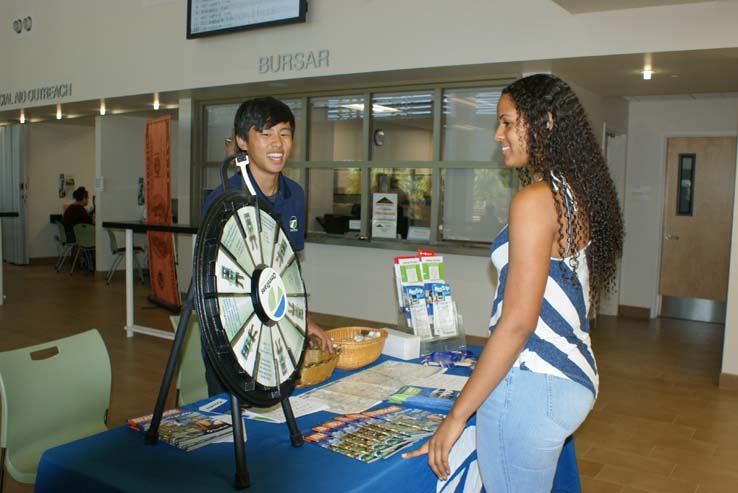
(533, 208)
(536, 197)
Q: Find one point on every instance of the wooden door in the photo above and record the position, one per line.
(695, 250)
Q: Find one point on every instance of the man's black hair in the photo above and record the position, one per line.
(261, 113)
(80, 194)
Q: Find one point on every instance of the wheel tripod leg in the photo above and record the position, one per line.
(242, 473)
(295, 435)
(152, 435)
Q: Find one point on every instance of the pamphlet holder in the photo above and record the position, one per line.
(456, 342)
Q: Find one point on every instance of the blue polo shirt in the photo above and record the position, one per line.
(288, 204)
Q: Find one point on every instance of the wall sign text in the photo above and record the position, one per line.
(37, 94)
(294, 62)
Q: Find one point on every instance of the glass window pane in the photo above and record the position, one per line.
(402, 126)
(335, 128)
(210, 179)
(469, 121)
(299, 112)
(413, 189)
(293, 173)
(334, 200)
(219, 121)
(685, 192)
(475, 202)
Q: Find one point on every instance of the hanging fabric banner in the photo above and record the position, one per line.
(162, 271)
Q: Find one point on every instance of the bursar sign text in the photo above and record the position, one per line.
(294, 62)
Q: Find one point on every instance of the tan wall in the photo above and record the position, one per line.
(109, 48)
(651, 122)
(358, 282)
(55, 148)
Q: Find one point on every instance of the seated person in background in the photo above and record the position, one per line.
(76, 213)
(264, 128)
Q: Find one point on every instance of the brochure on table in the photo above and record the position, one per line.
(426, 305)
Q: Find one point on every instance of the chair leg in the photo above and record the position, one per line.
(2, 468)
(63, 257)
(75, 261)
(116, 261)
(88, 261)
(138, 266)
(91, 260)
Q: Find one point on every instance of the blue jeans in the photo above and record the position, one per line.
(521, 428)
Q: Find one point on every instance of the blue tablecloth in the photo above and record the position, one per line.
(118, 461)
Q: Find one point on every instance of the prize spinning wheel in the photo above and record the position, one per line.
(250, 299)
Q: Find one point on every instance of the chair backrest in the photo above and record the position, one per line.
(113, 240)
(85, 235)
(191, 383)
(52, 393)
(61, 232)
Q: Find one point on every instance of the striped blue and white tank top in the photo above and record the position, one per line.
(560, 345)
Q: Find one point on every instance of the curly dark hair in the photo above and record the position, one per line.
(570, 151)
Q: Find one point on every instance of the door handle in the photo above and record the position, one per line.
(669, 236)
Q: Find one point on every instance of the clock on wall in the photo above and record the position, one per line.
(379, 137)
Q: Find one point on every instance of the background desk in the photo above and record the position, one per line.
(2, 215)
(140, 227)
(118, 461)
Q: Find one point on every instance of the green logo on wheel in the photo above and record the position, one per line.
(275, 299)
(272, 294)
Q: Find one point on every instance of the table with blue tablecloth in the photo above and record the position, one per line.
(119, 461)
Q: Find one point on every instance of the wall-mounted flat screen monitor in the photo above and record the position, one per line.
(210, 17)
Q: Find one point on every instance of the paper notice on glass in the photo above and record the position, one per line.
(384, 207)
(384, 229)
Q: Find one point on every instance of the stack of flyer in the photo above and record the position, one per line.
(423, 295)
(425, 397)
(377, 434)
(184, 429)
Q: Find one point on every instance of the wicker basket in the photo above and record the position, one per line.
(357, 354)
(317, 366)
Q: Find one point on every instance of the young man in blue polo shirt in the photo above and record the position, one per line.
(264, 128)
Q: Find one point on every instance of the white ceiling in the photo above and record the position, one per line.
(700, 73)
(587, 6)
(675, 73)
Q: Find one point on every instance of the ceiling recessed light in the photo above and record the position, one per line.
(647, 74)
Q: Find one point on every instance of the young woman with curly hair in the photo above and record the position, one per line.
(536, 379)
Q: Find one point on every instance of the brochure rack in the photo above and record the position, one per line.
(250, 300)
(425, 306)
(429, 345)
